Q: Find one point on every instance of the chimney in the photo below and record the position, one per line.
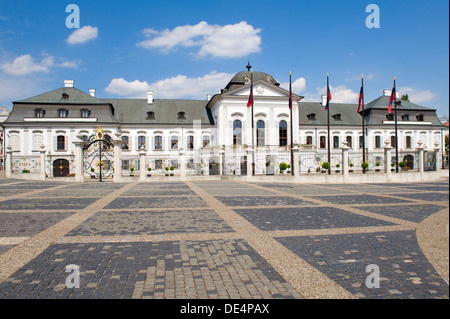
(69, 83)
(149, 97)
(324, 100)
(92, 92)
(387, 92)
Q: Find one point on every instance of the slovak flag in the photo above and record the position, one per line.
(250, 98)
(290, 91)
(360, 99)
(391, 100)
(328, 98)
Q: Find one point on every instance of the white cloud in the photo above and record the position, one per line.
(179, 86)
(339, 94)
(82, 35)
(298, 85)
(229, 41)
(417, 96)
(132, 90)
(25, 64)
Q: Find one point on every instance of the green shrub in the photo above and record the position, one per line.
(283, 166)
(326, 165)
(365, 165)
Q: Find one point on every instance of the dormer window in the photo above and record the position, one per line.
(181, 116)
(390, 117)
(311, 117)
(85, 113)
(337, 117)
(39, 113)
(63, 113)
(419, 117)
(150, 115)
(65, 96)
(405, 117)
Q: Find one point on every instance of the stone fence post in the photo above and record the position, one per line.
(8, 161)
(345, 163)
(117, 142)
(387, 158)
(142, 154)
(79, 165)
(42, 174)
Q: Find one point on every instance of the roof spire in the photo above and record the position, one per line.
(249, 67)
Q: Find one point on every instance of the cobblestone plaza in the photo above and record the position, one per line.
(223, 239)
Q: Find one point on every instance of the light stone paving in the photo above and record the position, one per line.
(223, 240)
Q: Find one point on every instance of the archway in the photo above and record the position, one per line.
(61, 168)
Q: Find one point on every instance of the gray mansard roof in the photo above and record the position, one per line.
(134, 111)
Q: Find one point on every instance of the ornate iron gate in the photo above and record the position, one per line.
(98, 155)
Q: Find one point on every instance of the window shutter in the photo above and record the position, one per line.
(55, 142)
(163, 143)
(66, 143)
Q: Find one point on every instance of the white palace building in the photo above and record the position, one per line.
(51, 135)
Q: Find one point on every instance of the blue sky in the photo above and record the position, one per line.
(187, 49)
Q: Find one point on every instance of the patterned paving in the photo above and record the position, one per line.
(219, 240)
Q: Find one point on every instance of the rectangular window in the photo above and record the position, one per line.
(61, 143)
(323, 142)
(393, 141)
(206, 141)
(141, 142)
(126, 143)
(335, 141)
(309, 140)
(377, 141)
(361, 142)
(349, 141)
(408, 143)
(190, 142)
(174, 143)
(158, 143)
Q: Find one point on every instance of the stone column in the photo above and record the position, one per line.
(182, 164)
(221, 155)
(250, 153)
(437, 151)
(387, 158)
(142, 174)
(117, 142)
(345, 163)
(79, 165)
(42, 174)
(420, 148)
(296, 165)
(8, 161)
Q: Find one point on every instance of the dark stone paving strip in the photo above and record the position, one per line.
(262, 201)
(412, 213)
(155, 202)
(360, 199)
(404, 270)
(306, 218)
(27, 225)
(46, 203)
(150, 223)
(192, 269)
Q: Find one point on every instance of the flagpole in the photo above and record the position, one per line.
(363, 123)
(291, 105)
(253, 128)
(396, 128)
(328, 125)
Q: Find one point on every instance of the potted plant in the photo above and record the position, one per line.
(337, 168)
(92, 171)
(378, 167)
(171, 170)
(326, 166)
(167, 170)
(402, 165)
(318, 170)
(132, 171)
(149, 169)
(289, 168)
(283, 167)
(393, 167)
(25, 171)
(351, 167)
(234, 172)
(364, 166)
(309, 170)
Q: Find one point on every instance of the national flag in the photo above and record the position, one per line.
(290, 91)
(328, 95)
(391, 99)
(250, 98)
(361, 94)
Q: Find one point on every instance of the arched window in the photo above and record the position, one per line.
(237, 132)
(309, 140)
(283, 133)
(260, 133)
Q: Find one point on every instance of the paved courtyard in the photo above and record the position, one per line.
(224, 240)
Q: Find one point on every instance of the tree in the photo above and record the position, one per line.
(405, 98)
